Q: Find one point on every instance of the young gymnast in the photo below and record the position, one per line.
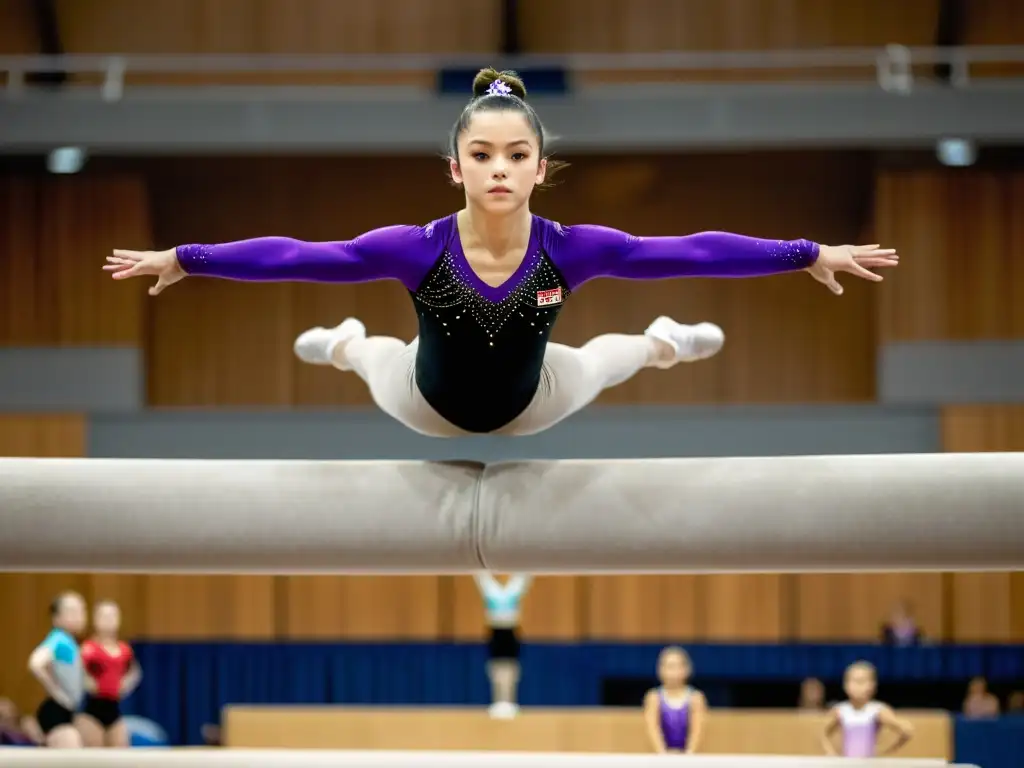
(502, 603)
(674, 712)
(861, 718)
(111, 674)
(488, 283)
(57, 664)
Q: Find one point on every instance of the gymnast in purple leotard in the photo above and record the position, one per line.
(489, 282)
(674, 711)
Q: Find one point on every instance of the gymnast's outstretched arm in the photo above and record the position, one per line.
(403, 253)
(584, 252)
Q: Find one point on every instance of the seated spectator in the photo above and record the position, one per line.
(211, 735)
(901, 629)
(1015, 703)
(15, 731)
(980, 702)
(812, 695)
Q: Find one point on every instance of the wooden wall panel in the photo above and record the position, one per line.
(54, 236)
(961, 236)
(986, 606)
(854, 606)
(995, 22)
(17, 30)
(307, 27)
(643, 607)
(208, 607)
(654, 26)
(362, 607)
(788, 339)
(42, 435)
(589, 26)
(747, 607)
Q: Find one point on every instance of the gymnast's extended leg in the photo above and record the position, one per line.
(386, 364)
(572, 378)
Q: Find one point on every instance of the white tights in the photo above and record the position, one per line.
(571, 379)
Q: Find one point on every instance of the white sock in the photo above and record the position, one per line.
(689, 342)
(316, 346)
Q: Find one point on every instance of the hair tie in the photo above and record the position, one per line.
(498, 88)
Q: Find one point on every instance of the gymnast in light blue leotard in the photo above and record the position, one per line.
(502, 603)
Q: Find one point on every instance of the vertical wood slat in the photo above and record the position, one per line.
(54, 236)
(590, 26)
(307, 27)
(960, 234)
(987, 607)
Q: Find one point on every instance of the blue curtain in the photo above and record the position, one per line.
(187, 684)
(990, 743)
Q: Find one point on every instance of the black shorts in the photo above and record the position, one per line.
(104, 711)
(52, 715)
(504, 644)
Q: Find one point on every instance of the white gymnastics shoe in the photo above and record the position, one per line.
(690, 342)
(316, 345)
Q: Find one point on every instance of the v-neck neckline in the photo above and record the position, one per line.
(494, 293)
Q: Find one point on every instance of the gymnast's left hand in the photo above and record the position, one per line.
(160, 264)
(858, 260)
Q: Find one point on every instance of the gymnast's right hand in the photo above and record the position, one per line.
(161, 264)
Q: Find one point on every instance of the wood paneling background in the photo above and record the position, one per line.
(447, 26)
(17, 30)
(963, 235)
(314, 27)
(665, 25)
(54, 236)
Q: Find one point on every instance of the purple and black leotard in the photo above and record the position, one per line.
(481, 348)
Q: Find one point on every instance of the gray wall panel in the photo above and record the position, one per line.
(597, 433)
(71, 379)
(937, 372)
(645, 117)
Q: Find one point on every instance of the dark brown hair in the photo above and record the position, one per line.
(514, 100)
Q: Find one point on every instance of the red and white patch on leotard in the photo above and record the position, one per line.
(547, 298)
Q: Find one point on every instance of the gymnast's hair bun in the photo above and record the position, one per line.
(485, 77)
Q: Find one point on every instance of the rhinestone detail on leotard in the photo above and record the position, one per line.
(449, 287)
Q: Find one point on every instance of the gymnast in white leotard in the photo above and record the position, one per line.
(861, 719)
(489, 282)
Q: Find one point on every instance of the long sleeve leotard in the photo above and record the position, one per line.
(481, 347)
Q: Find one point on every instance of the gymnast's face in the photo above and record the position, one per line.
(499, 161)
(106, 619)
(859, 684)
(673, 670)
(71, 614)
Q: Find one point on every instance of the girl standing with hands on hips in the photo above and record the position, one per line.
(112, 673)
(57, 664)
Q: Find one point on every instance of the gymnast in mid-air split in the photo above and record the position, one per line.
(489, 282)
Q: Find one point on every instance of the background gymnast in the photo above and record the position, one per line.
(860, 718)
(674, 712)
(489, 282)
(57, 664)
(111, 674)
(502, 604)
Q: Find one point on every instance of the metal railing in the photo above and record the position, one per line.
(893, 67)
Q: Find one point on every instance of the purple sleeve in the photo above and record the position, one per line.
(584, 252)
(404, 253)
